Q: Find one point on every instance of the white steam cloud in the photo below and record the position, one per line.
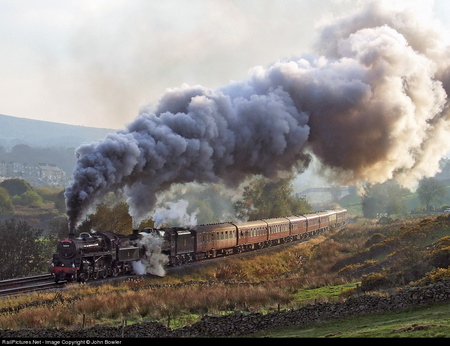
(154, 260)
(370, 104)
(176, 214)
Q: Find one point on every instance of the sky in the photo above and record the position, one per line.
(97, 63)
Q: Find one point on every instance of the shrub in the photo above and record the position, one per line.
(374, 239)
(433, 276)
(440, 256)
(374, 281)
(30, 198)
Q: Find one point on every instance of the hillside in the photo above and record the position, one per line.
(334, 270)
(37, 133)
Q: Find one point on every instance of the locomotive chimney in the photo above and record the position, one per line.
(71, 231)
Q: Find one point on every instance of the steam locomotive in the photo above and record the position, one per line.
(93, 256)
(102, 254)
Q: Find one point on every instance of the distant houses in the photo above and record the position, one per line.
(42, 174)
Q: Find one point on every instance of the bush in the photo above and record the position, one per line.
(6, 206)
(440, 256)
(374, 281)
(433, 276)
(374, 239)
(16, 186)
(28, 198)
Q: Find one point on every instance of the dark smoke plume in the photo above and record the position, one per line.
(371, 105)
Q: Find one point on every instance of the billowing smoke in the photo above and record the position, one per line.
(370, 104)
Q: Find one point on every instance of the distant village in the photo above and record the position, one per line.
(40, 175)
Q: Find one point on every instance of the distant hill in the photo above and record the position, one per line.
(37, 133)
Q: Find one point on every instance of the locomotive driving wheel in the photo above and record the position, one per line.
(115, 270)
(102, 271)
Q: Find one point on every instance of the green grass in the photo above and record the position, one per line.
(422, 322)
(325, 293)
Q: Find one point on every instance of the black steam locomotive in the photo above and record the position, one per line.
(91, 256)
(103, 254)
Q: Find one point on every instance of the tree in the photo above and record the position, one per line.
(115, 218)
(265, 198)
(335, 192)
(430, 191)
(29, 198)
(386, 198)
(16, 186)
(22, 251)
(60, 202)
(372, 201)
(6, 206)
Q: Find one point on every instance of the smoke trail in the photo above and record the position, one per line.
(370, 105)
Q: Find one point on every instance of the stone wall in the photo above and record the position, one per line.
(244, 323)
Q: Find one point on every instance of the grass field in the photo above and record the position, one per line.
(424, 322)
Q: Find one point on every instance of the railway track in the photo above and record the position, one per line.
(27, 284)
